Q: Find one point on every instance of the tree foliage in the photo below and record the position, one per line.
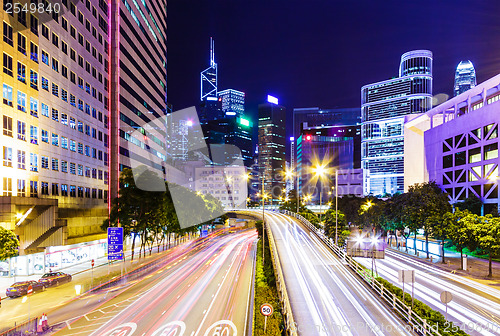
(8, 244)
(151, 215)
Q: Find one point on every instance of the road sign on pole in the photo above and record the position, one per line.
(446, 298)
(115, 243)
(30, 290)
(92, 263)
(266, 309)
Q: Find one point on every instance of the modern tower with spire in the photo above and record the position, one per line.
(209, 76)
(211, 106)
(465, 77)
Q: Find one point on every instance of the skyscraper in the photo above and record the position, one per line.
(210, 104)
(465, 77)
(138, 73)
(208, 76)
(55, 125)
(383, 107)
(272, 143)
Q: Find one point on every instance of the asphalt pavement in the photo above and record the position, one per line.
(202, 290)
(475, 307)
(326, 298)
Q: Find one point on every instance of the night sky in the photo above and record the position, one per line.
(320, 52)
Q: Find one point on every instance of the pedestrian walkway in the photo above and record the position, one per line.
(101, 266)
(477, 268)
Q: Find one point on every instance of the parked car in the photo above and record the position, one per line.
(21, 288)
(54, 278)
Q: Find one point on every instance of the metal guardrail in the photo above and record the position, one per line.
(291, 325)
(405, 312)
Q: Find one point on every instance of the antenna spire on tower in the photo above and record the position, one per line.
(212, 52)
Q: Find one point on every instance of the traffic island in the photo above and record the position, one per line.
(266, 293)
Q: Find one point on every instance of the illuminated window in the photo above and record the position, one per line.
(34, 135)
(7, 95)
(21, 101)
(474, 155)
(7, 156)
(33, 79)
(45, 110)
(21, 72)
(33, 162)
(7, 64)
(45, 162)
(491, 151)
(7, 126)
(21, 159)
(55, 164)
(7, 186)
(33, 188)
(21, 188)
(21, 130)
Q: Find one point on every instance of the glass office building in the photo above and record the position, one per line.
(383, 108)
(232, 102)
(272, 144)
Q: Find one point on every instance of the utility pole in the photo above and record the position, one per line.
(263, 221)
(336, 204)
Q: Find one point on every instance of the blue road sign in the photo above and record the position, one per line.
(115, 243)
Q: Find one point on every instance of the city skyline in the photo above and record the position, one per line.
(313, 61)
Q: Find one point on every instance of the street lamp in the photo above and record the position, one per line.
(319, 172)
(289, 175)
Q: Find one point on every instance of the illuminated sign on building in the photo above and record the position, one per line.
(272, 100)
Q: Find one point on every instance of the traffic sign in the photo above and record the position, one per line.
(115, 243)
(30, 290)
(92, 262)
(266, 309)
(446, 297)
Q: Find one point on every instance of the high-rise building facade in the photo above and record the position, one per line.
(54, 172)
(384, 106)
(456, 145)
(272, 144)
(232, 102)
(233, 131)
(465, 77)
(333, 147)
(137, 107)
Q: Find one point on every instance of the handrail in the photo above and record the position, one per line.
(405, 312)
(290, 324)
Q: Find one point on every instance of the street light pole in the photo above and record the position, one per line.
(263, 223)
(297, 189)
(336, 205)
(320, 201)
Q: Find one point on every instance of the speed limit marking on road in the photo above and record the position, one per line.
(266, 309)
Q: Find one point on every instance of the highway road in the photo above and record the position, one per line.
(203, 289)
(475, 307)
(326, 298)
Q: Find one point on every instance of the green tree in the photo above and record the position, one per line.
(393, 216)
(349, 205)
(425, 207)
(487, 232)
(460, 230)
(472, 203)
(341, 228)
(8, 244)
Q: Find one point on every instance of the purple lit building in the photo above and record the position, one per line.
(456, 145)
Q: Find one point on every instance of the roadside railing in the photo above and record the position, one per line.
(290, 324)
(404, 311)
